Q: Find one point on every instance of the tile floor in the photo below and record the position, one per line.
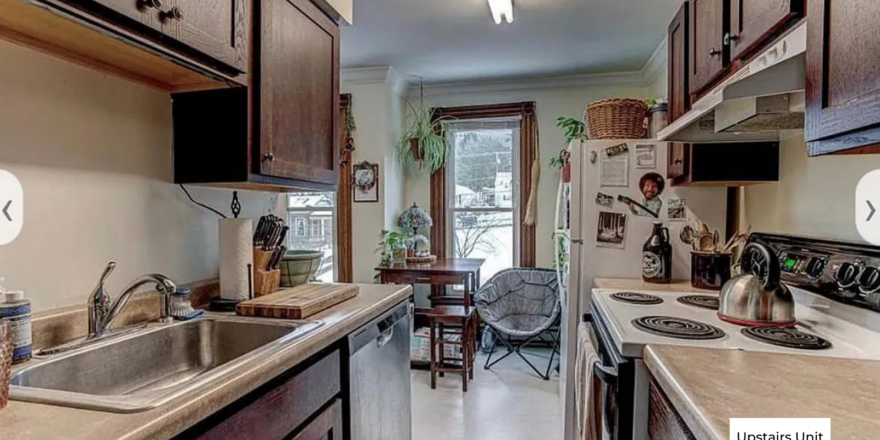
(508, 402)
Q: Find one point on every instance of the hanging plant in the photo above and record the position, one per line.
(422, 142)
(349, 127)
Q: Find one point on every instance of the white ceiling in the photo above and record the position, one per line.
(456, 40)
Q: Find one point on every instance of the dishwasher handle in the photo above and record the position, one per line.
(380, 329)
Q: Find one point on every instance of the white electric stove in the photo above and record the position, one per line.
(815, 314)
(836, 287)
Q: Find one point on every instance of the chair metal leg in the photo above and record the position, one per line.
(552, 353)
(517, 348)
(489, 358)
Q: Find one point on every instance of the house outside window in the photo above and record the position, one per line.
(313, 218)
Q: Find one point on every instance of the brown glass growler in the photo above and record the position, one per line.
(657, 256)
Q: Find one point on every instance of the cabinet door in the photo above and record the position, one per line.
(298, 92)
(327, 426)
(218, 29)
(664, 423)
(142, 11)
(678, 96)
(753, 21)
(708, 54)
(678, 160)
(843, 64)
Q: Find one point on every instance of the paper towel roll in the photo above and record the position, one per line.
(236, 253)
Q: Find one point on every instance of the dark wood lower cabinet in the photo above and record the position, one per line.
(303, 404)
(664, 423)
(327, 426)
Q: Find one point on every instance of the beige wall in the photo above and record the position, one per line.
(376, 110)
(815, 196)
(550, 103)
(93, 153)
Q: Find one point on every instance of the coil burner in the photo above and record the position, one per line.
(677, 328)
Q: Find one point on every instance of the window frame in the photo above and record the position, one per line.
(528, 154)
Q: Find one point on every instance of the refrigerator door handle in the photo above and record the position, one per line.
(577, 241)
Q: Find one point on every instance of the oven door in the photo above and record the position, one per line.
(616, 375)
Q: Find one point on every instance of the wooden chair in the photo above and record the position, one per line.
(465, 318)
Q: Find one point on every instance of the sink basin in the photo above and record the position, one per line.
(144, 369)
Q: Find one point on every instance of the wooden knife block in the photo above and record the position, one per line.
(261, 259)
(266, 282)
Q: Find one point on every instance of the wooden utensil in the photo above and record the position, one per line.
(298, 302)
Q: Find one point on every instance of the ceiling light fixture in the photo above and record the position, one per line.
(501, 8)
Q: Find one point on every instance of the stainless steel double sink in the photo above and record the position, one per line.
(143, 369)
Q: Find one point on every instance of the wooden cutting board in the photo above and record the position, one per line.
(298, 302)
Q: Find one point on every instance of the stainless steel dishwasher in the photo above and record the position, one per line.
(379, 377)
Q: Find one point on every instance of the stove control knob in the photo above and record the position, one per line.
(846, 275)
(869, 280)
(815, 268)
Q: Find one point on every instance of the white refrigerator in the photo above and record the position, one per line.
(584, 251)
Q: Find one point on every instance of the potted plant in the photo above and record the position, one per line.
(393, 247)
(573, 130)
(423, 141)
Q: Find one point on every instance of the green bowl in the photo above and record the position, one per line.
(299, 267)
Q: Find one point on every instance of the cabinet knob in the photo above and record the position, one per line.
(268, 157)
(714, 52)
(172, 14)
(150, 4)
(730, 38)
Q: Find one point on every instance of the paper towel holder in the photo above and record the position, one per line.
(219, 304)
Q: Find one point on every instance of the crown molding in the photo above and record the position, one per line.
(375, 75)
(650, 72)
(656, 65)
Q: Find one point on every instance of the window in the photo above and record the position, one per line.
(483, 184)
(313, 216)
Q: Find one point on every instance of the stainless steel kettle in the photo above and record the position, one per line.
(757, 297)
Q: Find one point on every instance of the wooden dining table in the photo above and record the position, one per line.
(441, 272)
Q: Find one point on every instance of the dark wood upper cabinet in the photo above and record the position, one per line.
(280, 133)
(753, 21)
(709, 56)
(217, 29)
(170, 45)
(727, 164)
(141, 11)
(678, 96)
(843, 67)
(298, 92)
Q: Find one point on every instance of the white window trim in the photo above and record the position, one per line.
(450, 196)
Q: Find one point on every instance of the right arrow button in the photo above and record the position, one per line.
(871, 207)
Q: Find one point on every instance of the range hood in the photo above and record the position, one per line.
(763, 98)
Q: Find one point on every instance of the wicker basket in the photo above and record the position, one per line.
(617, 119)
(5, 361)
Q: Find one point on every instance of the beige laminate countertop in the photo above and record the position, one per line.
(708, 387)
(30, 421)
(677, 286)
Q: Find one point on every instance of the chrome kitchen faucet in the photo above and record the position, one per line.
(102, 313)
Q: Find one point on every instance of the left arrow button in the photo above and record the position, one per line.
(6, 210)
